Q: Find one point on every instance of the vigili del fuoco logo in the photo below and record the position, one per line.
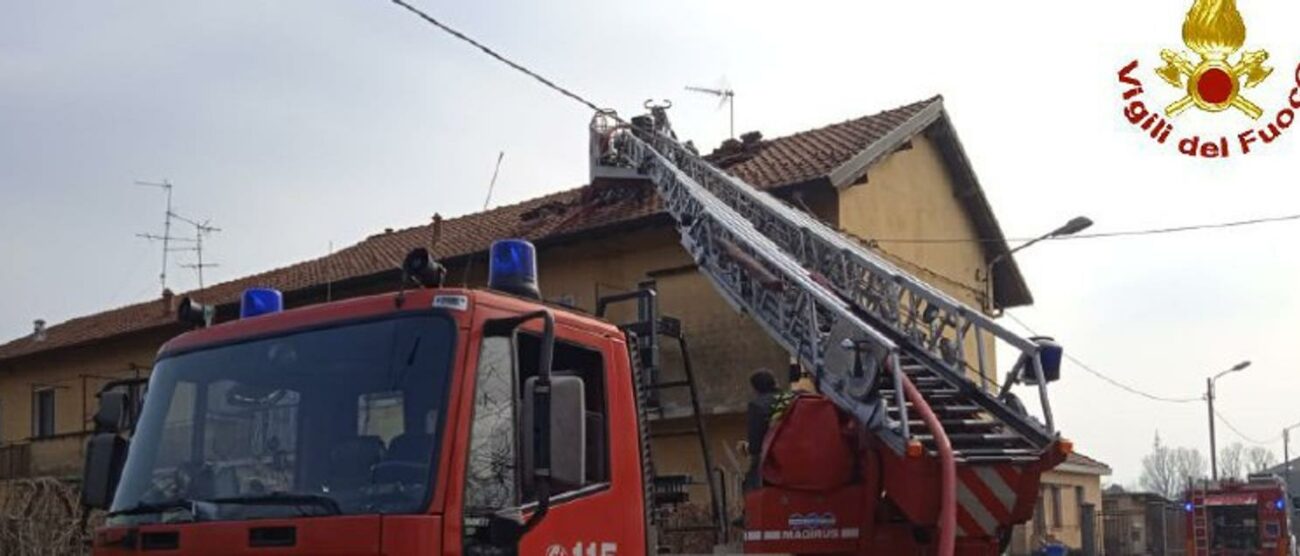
(1217, 76)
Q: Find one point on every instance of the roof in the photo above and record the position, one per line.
(819, 156)
(1079, 463)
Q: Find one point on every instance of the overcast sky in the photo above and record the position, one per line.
(294, 124)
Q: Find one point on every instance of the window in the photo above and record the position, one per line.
(492, 479)
(43, 413)
(344, 415)
(1079, 502)
(1040, 513)
(587, 364)
(1056, 506)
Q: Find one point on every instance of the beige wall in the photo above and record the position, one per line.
(909, 194)
(74, 375)
(1069, 529)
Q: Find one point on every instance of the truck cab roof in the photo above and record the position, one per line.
(459, 303)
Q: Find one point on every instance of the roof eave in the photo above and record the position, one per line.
(1009, 286)
(849, 171)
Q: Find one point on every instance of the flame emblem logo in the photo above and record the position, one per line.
(1215, 31)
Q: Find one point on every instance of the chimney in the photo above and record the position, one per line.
(38, 330)
(166, 301)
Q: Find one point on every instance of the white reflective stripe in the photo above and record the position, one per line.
(771, 535)
(849, 532)
(975, 509)
(961, 531)
(753, 535)
(999, 487)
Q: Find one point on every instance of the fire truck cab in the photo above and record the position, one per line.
(430, 421)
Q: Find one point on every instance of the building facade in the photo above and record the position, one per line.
(1142, 523)
(888, 179)
(1069, 502)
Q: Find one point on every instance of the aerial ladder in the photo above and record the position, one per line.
(950, 466)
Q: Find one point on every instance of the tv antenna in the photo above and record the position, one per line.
(166, 236)
(726, 97)
(496, 170)
(201, 229)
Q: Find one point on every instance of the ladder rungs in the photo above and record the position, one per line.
(956, 423)
(960, 436)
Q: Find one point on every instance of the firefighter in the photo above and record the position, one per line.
(758, 415)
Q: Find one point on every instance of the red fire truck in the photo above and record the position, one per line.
(440, 420)
(1233, 518)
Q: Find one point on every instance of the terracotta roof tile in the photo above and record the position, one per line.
(768, 164)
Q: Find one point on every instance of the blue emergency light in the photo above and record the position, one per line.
(1279, 504)
(1049, 354)
(1187, 506)
(513, 268)
(260, 301)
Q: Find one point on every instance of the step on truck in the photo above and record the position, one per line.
(439, 420)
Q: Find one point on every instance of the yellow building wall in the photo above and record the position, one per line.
(909, 195)
(74, 375)
(1069, 529)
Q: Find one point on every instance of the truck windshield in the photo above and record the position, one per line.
(339, 420)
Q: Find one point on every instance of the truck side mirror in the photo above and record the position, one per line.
(568, 430)
(112, 410)
(105, 454)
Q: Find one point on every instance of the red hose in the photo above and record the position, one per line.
(947, 463)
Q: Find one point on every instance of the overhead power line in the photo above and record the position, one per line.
(1243, 435)
(500, 58)
(1102, 235)
(1104, 377)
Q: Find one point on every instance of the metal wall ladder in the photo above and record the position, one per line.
(1200, 521)
(646, 334)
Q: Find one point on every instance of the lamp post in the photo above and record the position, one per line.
(1209, 399)
(1074, 226)
(1286, 456)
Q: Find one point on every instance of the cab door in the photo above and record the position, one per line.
(596, 502)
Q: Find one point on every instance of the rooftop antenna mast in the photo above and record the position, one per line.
(166, 236)
(201, 229)
(496, 170)
(726, 97)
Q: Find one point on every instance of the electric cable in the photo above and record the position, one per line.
(500, 58)
(1242, 435)
(1100, 235)
(1104, 377)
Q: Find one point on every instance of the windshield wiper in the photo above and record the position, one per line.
(157, 507)
(282, 499)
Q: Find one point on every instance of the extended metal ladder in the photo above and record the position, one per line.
(859, 321)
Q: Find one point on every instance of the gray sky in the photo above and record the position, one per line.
(292, 124)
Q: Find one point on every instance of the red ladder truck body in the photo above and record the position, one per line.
(1232, 518)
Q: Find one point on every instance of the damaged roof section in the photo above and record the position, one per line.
(809, 158)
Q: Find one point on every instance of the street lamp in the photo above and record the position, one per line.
(1074, 226)
(1209, 398)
